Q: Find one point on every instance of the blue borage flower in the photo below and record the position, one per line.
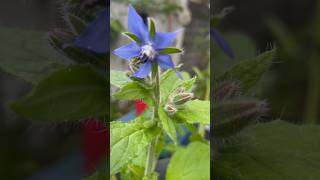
(96, 36)
(147, 47)
(222, 43)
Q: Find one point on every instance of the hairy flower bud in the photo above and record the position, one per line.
(180, 90)
(182, 98)
(170, 108)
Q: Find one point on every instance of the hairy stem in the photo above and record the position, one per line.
(151, 156)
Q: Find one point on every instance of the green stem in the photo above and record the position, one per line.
(151, 155)
(201, 128)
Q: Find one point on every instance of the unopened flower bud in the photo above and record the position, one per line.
(170, 108)
(180, 90)
(182, 98)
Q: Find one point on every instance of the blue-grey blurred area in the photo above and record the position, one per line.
(291, 85)
(31, 150)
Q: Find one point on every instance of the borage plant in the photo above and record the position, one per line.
(136, 146)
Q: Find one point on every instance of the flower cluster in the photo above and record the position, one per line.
(147, 47)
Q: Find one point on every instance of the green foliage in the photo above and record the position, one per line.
(98, 175)
(130, 158)
(119, 78)
(132, 37)
(194, 111)
(128, 141)
(170, 50)
(152, 28)
(242, 47)
(276, 150)
(168, 125)
(28, 55)
(131, 91)
(190, 163)
(73, 93)
(170, 81)
(249, 72)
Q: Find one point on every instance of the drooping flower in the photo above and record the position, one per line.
(148, 46)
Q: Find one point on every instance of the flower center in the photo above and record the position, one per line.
(147, 53)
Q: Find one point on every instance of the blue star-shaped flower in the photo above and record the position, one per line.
(96, 36)
(147, 49)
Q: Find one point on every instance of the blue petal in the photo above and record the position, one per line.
(165, 61)
(128, 51)
(164, 39)
(222, 43)
(144, 70)
(96, 36)
(137, 26)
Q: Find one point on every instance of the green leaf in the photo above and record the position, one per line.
(131, 91)
(168, 125)
(28, 54)
(277, 150)
(73, 93)
(195, 111)
(242, 46)
(128, 140)
(152, 28)
(190, 163)
(119, 78)
(249, 72)
(170, 50)
(170, 81)
(132, 37)
(98, 175)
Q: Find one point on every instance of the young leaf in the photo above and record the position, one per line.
(195, 111)
(167, 125)
(152, 28)
(190, 163)
(131, 91)
(74, 93)
(132, 37)
(249, 72)
(170, 50)
(119, 78)
(128, 140)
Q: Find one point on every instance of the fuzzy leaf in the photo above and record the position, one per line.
(128, 140)
(119, 78)
(170, 81)
(277, 150)
(73, 93)
(249, 72)
(132, 37)
(131, 91)
(170, 50)
(195, 111)
(28, 55)
(168, 125)
(190, 163)
(152, 28)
